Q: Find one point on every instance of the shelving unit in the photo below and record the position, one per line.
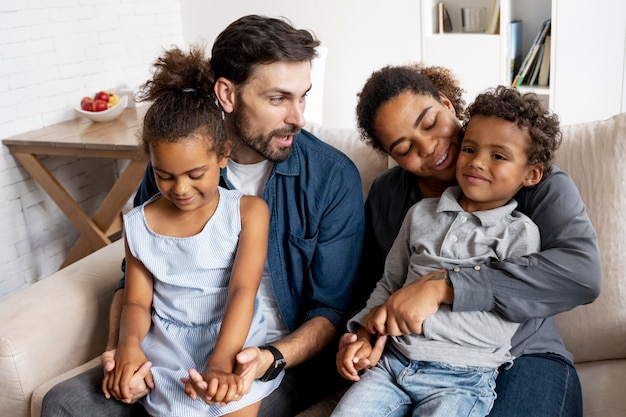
(479, 60)
(533, 13)
(587, 78)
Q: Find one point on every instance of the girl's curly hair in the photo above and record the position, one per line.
(526, 111)
(183, 101)
(391, 81)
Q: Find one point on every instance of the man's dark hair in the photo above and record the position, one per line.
(258, 40)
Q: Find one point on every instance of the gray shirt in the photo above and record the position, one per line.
(438, 234)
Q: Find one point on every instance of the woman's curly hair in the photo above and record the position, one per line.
(391, 81)
(526, 111)
(184, 104)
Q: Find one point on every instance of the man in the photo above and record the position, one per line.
(262, 68)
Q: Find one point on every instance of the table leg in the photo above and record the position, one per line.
(108, 216)
(92, 233)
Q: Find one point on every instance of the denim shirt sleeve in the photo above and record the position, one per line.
(564, 274)
(338, 248)
(316, 232)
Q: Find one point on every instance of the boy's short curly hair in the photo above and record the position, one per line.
(526, 111)
(391, 81)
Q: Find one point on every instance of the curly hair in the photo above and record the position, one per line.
(184, 103)
(526, 111)
(391, 81)
(256, 40)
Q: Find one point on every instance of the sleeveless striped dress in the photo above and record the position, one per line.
(191, 276)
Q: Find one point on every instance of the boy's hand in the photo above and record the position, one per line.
(405, 310)
(356, 354)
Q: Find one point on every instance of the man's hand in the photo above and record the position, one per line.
(405, 310)
(140, 384)
(251, 364)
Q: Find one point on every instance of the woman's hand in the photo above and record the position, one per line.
(405, 310)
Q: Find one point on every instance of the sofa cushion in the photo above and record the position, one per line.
(55, 325)
(603, 388)
(368, 161)
(594, 155)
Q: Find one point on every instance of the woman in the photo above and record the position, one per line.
(414, 114)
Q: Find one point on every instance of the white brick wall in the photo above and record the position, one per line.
(52, 53)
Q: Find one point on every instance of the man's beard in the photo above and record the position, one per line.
(238, 125)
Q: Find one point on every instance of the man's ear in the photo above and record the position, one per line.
(533, 176)
(225, 93)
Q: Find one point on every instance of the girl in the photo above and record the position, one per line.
(195, 254)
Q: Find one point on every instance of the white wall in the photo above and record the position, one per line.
(52, 52)
(361, 36)
(589, 81)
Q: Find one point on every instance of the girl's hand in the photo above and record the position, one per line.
(140, 384)
(214, 386)
(127, 361)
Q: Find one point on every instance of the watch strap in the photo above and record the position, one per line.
(276, 366)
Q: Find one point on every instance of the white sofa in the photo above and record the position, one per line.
(50, 329)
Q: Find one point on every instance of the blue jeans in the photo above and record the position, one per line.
(398, 387)
(542, 384)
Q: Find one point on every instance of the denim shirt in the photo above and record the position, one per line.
(316, 230)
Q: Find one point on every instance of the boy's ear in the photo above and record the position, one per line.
(533, 176)
(225, 93)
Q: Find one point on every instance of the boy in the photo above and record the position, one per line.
(510, 141)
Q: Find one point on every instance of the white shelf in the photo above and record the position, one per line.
(479, 60)
(587, 57)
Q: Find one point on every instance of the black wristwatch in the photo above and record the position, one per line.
(276, 366)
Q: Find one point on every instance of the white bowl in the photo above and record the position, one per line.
(106, 115)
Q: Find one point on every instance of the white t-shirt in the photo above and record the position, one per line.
(250, 179)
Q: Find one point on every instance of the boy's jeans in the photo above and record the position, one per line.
(398, 387)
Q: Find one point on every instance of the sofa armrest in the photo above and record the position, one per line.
(55, 325)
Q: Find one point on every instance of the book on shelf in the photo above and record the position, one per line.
(515, 47)
(531, 56)
(534, 73)
(544, 71)
(493, 26)
(445, 24)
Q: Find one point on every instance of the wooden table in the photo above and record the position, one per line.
(85, 139)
